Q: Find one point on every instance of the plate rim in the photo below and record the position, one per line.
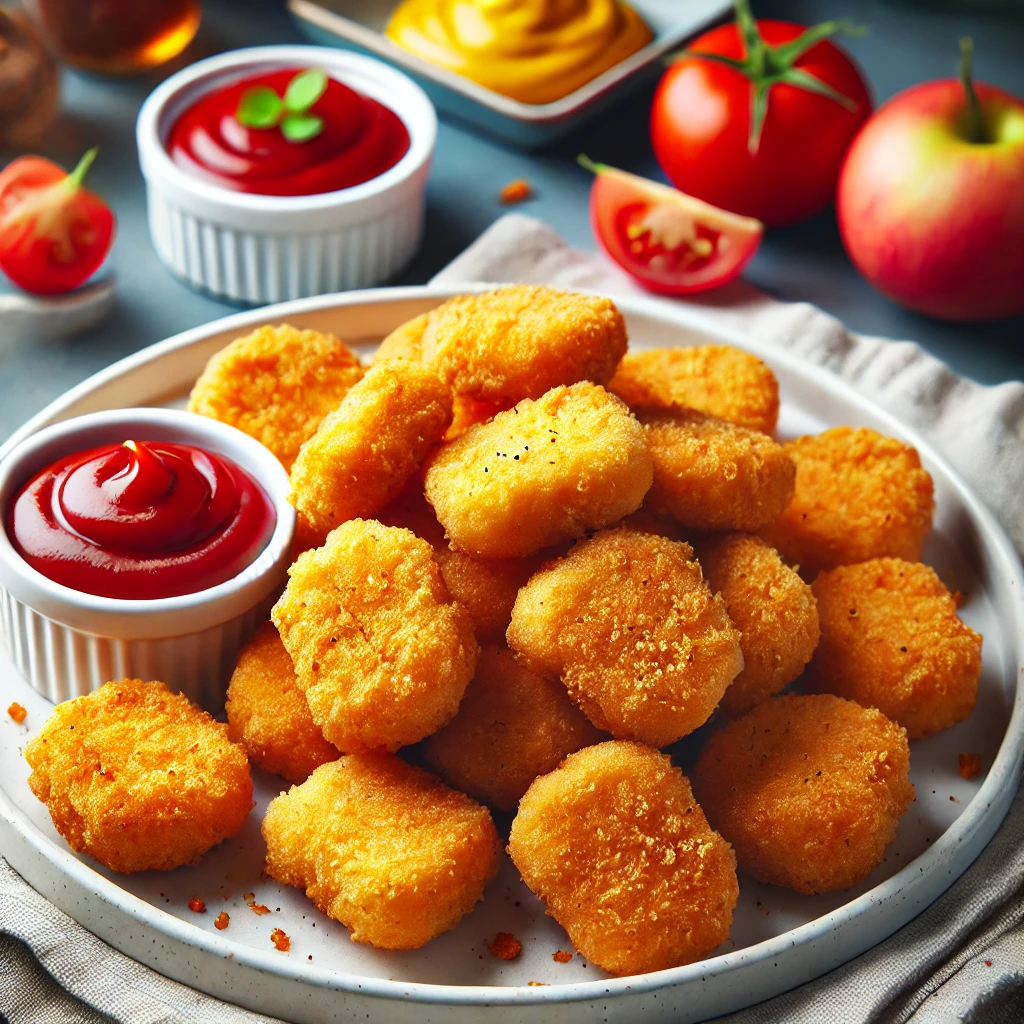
(1004, 771)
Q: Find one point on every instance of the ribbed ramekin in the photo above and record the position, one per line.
(259, 249)
(66, 643)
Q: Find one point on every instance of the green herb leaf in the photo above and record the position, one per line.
(304, 90)
(301, 127)
(259, 107)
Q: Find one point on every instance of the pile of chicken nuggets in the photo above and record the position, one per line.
(528, 561)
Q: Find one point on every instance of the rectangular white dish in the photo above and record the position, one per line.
(779, 939)
(359, 25)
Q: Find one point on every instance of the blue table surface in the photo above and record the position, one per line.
(905, 44)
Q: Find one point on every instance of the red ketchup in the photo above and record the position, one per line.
(141, 520)
(360, 140)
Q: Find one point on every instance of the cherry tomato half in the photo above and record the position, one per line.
(669, 242)
(53, 233)
(701, 124)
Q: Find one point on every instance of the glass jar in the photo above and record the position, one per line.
(116, 36)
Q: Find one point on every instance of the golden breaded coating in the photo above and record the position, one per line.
(543, 472)
(410, 510)
(467, 411)
(664, 526)
(138, 777)
(268, 714)
(404, 342)
(365, 450)
(891, 639)
(488, 587)
(380, 649)
(714, 379)
(711, 474)
(522, 341)
(774, 609)
(385, 848)
(809, 789)
(621, 854)
(512, 726)
(858, 495)
(276, 385)
(628, 623)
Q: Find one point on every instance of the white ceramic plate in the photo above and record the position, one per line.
(779, 939)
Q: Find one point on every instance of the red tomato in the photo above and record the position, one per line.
(53, 233)
(701, 122)
(669, 242)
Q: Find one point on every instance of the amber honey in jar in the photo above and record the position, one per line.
(117, 36)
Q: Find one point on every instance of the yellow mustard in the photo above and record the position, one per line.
(535, 51)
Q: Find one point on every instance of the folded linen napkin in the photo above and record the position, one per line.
(961, 960)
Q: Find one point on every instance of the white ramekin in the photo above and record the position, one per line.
(66, 643)
(259, 249)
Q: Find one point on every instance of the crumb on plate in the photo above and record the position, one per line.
(970, 765)
(505, 946)
(516, 191)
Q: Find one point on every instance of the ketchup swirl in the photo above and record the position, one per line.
(141, 520)
(361, 139)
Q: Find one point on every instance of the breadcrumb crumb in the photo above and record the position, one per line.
(561, 956)
(196, 905)
(516, 191)
(505, 946)
(17, 712)
(280, 940)
(969, 765)
(221, 921)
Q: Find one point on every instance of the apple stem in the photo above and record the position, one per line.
(977, 130)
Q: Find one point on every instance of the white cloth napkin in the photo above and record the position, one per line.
(961, 960)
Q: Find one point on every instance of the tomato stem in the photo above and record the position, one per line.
(977, 129)
(767, 65)
(74, 180)
(589, 165)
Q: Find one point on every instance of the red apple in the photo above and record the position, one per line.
(931, 199)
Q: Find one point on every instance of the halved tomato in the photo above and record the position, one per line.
(669, 242)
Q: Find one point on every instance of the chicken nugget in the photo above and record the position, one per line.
(385, 848)
(711, 474)
(404, 342)
(715, 379)
(520, 342)
(628, 623)
(467, 411)
(858, 495)
(138, 777)
(276, 384)
(891, 639)
(809, 789)
(774, 609)
(268, 714)
(381, 651)
(512, 726)
(487, 587)
(543, 472)
(364, 451)
(621, 854)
